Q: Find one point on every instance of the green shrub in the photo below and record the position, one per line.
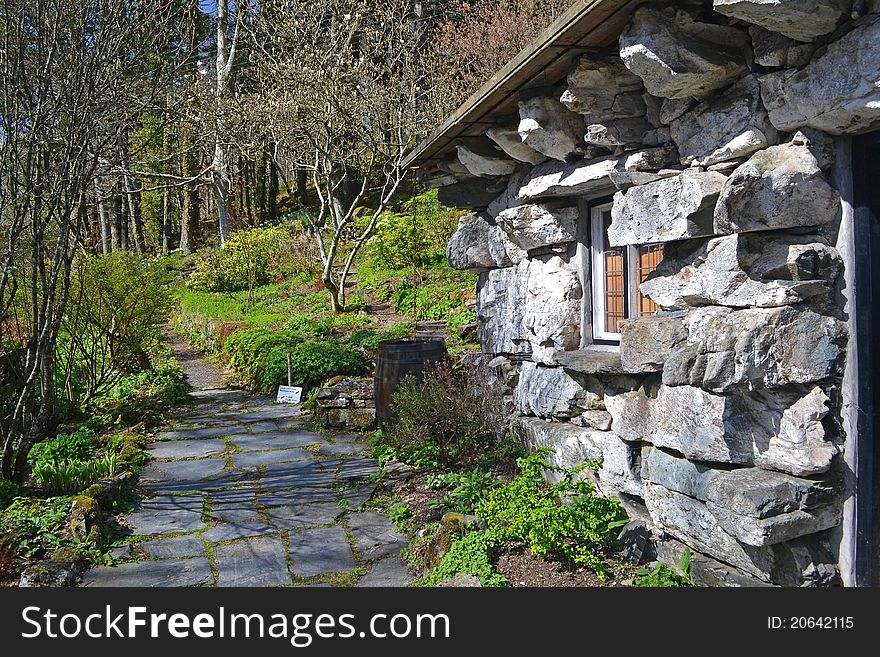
(400, 515)
(415, 239)
(472, 555)
(9, 490)
(71, 476)
(76, 446)
(468, 490)
(312, 363)
(35, 525)
(144, 395)
(113, 324)
(440, 411)
(245, 262)
(664, 577)
(530, 511)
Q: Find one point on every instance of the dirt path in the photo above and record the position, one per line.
(200, 374)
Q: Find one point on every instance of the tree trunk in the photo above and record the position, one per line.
(260, 187)
(221, 177)
(166, 222)
(273, 189)
(302, 186)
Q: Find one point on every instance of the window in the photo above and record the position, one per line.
(616, 272)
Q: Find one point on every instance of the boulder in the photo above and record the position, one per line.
(602, 89)
(621, 467)
(666, 210)
(591, 177)
(549, 128)
(622, 132)
(594, 419)
(778, 431)
(677, 56)
(549, 392)
(757, 347)
(672, 108)
(646, 342)
(774, 50)
(508, 197)
(473, 194)
(758, 269)
(534, 226)
(802, 20)
(849, 106)
(610, 98)
(502, 249)
(703, 570)
(777, 529)
(477, 245)
(802, 562)
(572, 446)
(726, 127)
(508, 140)
(623, 180)
(531, 309)
(780, 187)
(481, 159)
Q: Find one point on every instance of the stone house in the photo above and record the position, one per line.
(675, 220)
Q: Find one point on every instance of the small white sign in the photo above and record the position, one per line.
(289, 395)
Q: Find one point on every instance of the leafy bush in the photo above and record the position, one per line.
(468, 491)
(400, 514)
(415, 239)
(35, 525)
(71, 476)
(441, 411)
(471, 554)
(9, 490)
(114, 321)
(530, 511)
(76, 446)
(142, 395)
(664, 577)
(248, 259)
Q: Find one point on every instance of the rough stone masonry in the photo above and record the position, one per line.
(712, 130)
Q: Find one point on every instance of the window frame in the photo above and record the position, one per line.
(593, 268)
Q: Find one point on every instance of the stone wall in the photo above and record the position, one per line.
(347, 402)
(715, 421)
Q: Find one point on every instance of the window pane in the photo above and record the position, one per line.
(614, 260)
(650, 255)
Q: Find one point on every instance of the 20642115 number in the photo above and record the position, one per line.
(821, 623)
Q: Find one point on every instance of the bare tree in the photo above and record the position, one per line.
(339, 83)
(73, 75)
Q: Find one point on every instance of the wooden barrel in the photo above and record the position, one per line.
(396, 359)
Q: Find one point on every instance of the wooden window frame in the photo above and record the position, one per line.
(595, 272)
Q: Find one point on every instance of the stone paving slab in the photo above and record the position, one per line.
(375, 535)
(167, 514)
(257, 562)
(305, 515)
(185, 449)
(359, 495)
(296, 496)
(234, 511)
(188, 545)
(387, 572)
(253, 459)
(251, 442)
(166, 572)
(341, 449)
(265, 426)
(226, 479)
(320, 551)
(182, 471)
(199, 434)
(230, 531)
(358, 468)
(280, 476)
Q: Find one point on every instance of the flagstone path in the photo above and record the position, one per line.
(243, 492)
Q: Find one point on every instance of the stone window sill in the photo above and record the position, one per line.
(596, 359)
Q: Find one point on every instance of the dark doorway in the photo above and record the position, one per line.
(866, 197)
